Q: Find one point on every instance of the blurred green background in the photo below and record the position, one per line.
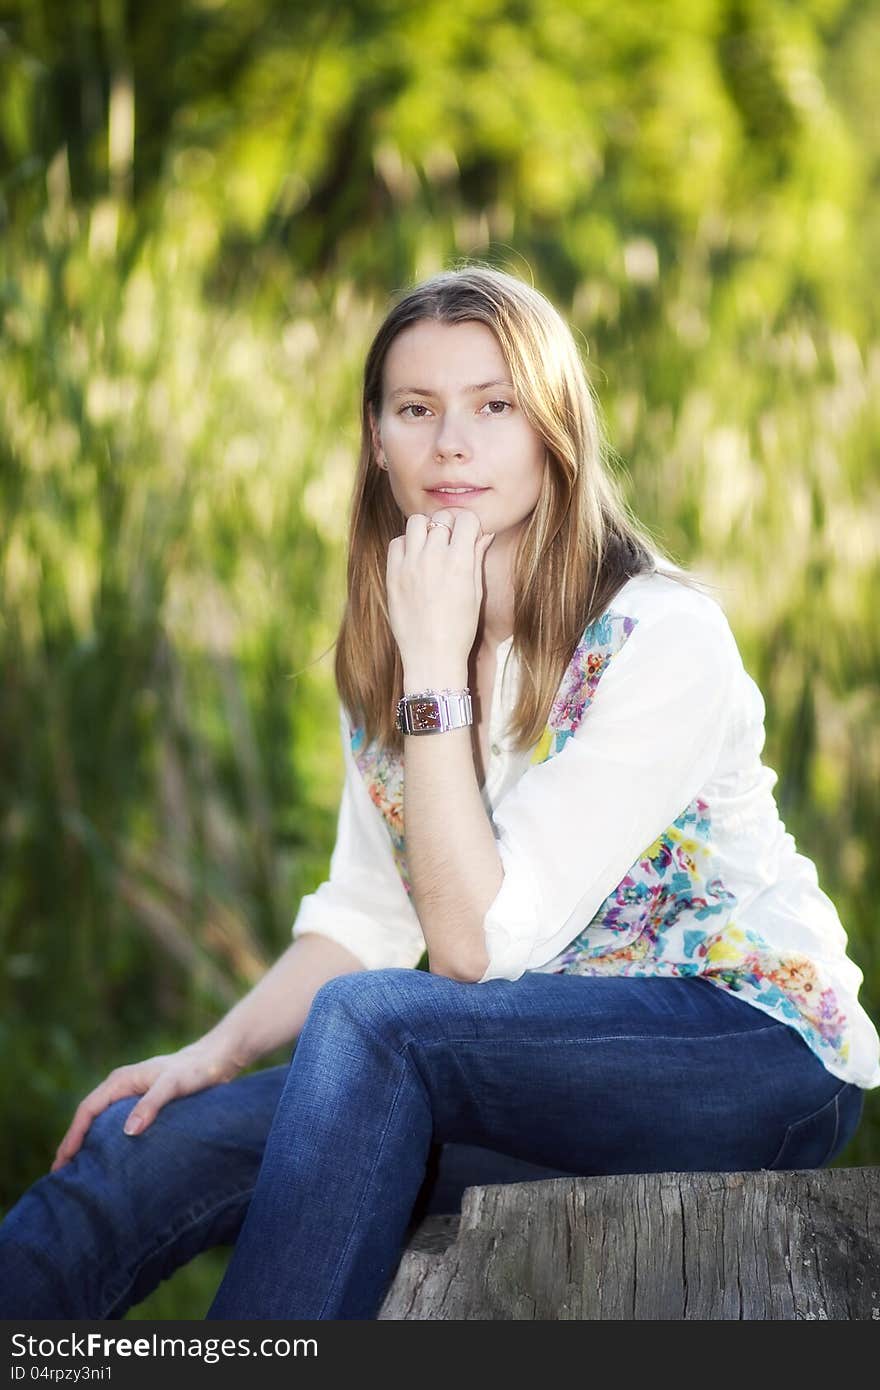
(204, 208)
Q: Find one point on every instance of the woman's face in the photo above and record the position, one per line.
(450, 415)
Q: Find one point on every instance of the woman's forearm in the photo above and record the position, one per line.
(456, 875)
(275, 1010)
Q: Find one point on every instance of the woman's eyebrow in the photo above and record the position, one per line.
(425, 391)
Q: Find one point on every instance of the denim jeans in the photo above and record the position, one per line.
(405, 1088)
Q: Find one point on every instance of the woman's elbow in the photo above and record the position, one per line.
(468, 972)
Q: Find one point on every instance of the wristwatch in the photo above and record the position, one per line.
(434, 711)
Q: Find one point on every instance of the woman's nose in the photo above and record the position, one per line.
(451, 436)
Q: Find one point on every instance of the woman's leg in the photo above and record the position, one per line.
(452, 1168)
(586, 1075)
(94, 1238)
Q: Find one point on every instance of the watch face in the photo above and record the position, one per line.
(426, 714)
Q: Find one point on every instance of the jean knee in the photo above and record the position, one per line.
(159, 1152)
(380, 1003)
(106, 1130)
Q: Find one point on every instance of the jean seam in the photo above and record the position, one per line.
(831, 1146)
(804, 1119)
(354, 1224)
(176, 1235)
(595, 1037)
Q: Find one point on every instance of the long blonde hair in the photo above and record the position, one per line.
(579, 545)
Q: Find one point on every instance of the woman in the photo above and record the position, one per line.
(629, 966)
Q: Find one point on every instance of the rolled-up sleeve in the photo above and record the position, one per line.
(572, 826)
(363, 904)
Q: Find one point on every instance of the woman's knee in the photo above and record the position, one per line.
(106, 1132)
(394, 1005)
(127, 1210)
(194, 1141)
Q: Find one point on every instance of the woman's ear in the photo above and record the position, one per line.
(376, 438)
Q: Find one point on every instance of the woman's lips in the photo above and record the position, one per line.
(474, 492)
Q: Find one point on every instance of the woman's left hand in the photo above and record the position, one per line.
(435, 584)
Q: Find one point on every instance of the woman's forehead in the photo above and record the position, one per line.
(444, 356)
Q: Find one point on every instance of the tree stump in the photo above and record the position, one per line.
(756, 1245)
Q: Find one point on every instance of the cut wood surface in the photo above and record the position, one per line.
(758, 1245)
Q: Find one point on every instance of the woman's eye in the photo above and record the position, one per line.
(417, 405)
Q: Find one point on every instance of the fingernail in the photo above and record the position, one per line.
(133, 1125)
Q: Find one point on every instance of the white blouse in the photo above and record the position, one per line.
(639, 837)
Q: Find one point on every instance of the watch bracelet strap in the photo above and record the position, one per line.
(456, 709)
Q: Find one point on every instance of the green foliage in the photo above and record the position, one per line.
(204, 207)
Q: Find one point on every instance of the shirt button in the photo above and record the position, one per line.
(496, 749)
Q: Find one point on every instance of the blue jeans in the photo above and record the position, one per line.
(405, 1088)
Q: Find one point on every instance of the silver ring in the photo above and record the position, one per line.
(432, 522)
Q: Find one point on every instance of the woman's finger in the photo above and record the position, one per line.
(394, 558)
(142, 1115)
(479, 556)
(415, 534)
(85, 1113)
(117, 1086)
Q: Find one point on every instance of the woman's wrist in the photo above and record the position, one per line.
(272, 1014)
(419, 676)
(229, 1049)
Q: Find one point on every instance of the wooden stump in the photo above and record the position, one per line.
(757, 1245)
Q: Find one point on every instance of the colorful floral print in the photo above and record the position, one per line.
(382, 771)
(672, 885)
(600, 643)
(647, 927)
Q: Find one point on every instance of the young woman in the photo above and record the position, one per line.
(629, 966)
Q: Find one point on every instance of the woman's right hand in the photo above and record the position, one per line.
(157, 1080)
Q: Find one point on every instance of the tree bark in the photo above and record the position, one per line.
(763, 1245)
